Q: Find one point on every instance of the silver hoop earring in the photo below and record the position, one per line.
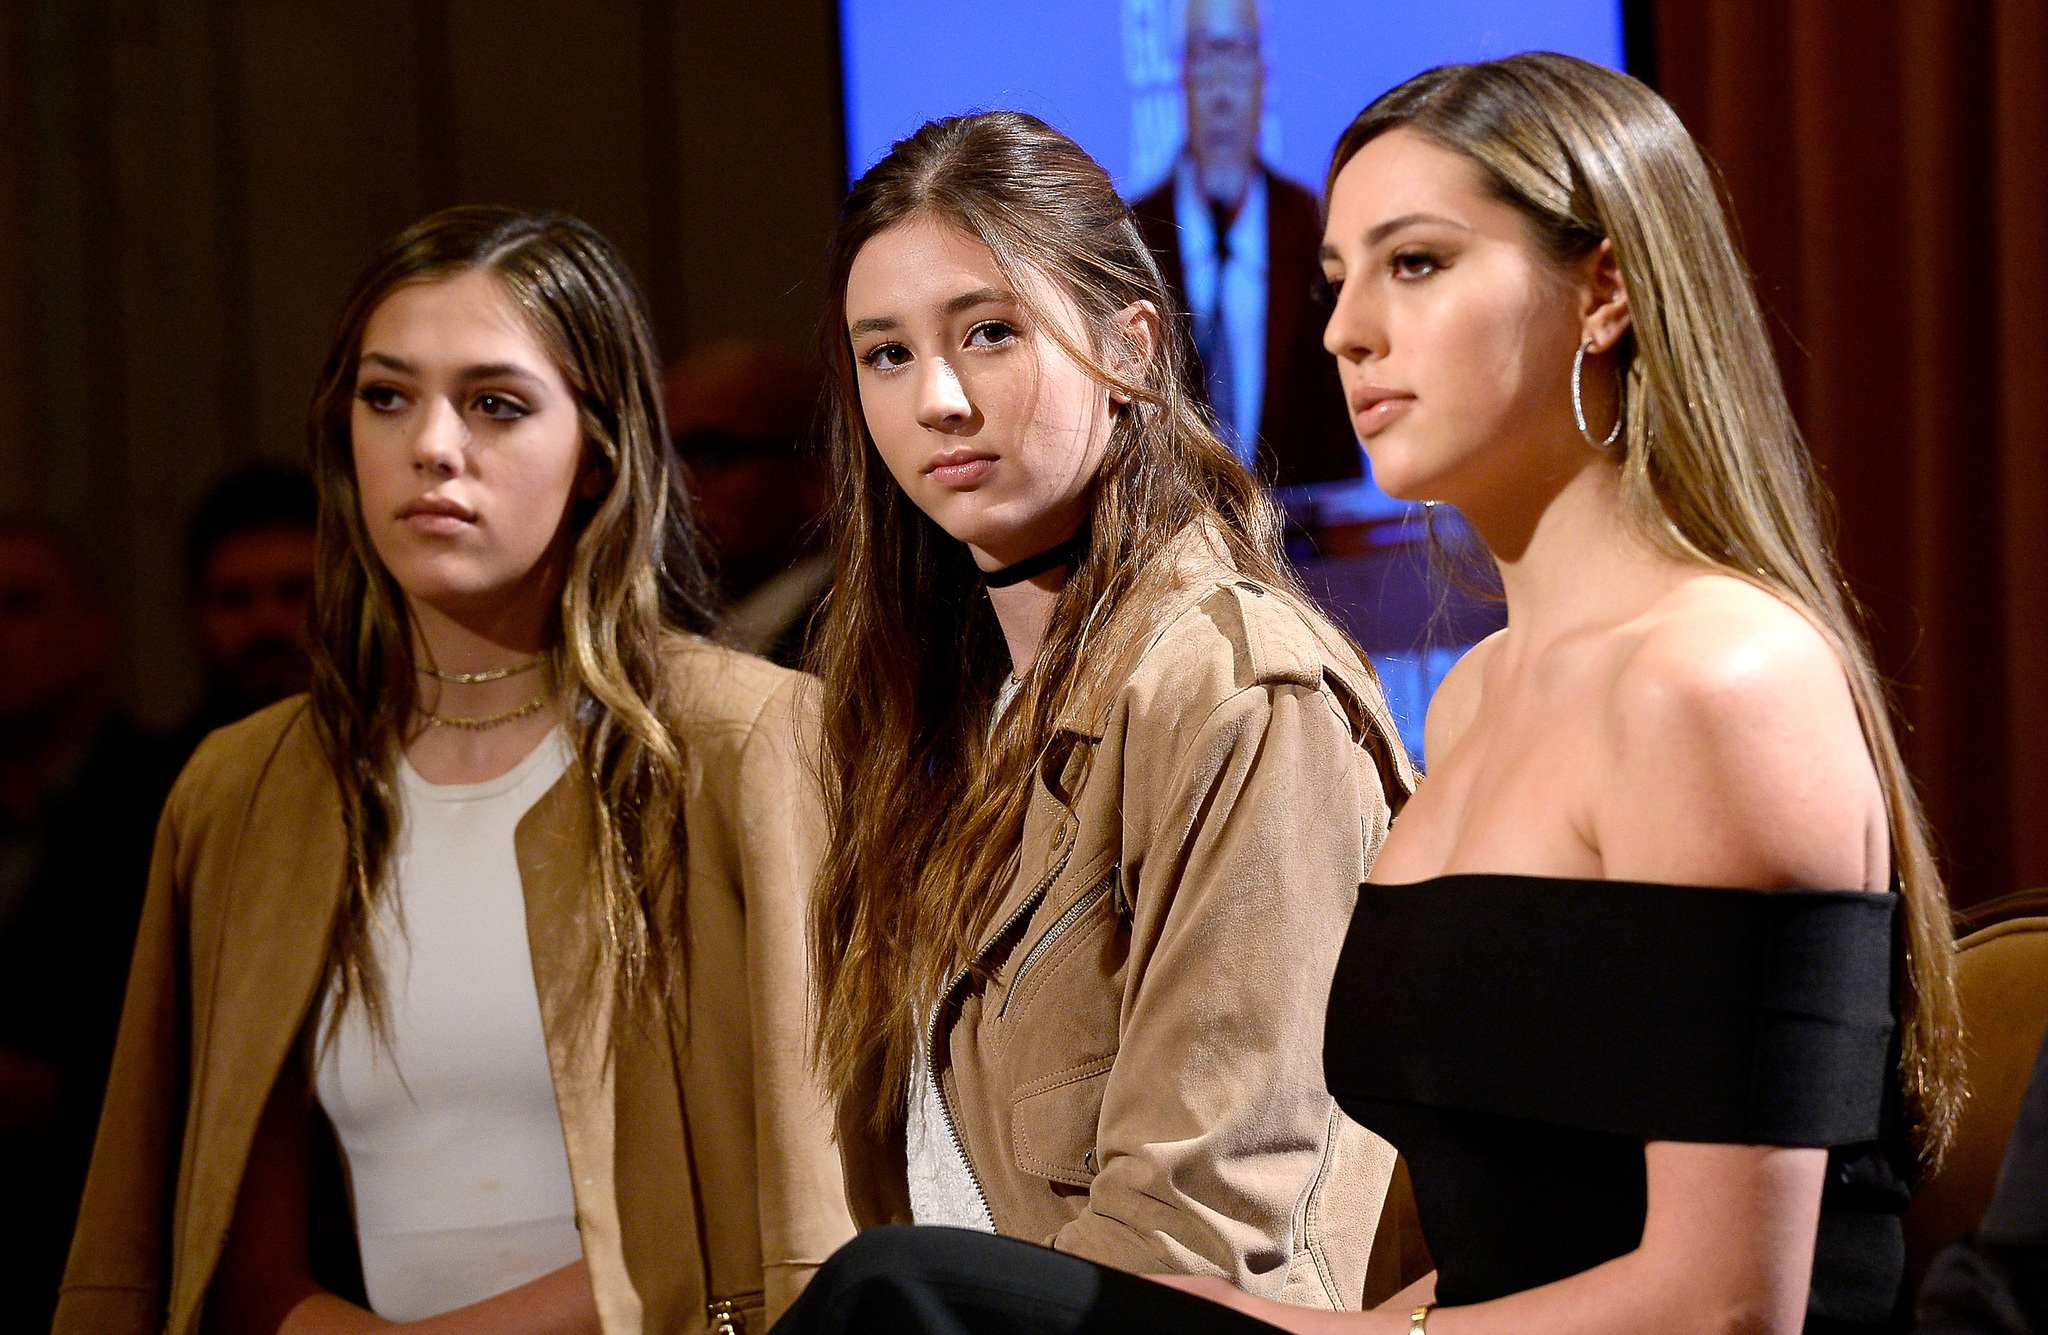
(1579, 404)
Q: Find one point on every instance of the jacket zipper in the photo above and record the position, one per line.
(1059, 929)
(728, 1316)
(1031, 902)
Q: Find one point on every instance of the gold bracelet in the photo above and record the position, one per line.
(1418, 1317)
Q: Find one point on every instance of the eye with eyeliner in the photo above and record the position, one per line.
(1413, 263)
(1000, 332)
(885, 357)
(380, 398)
(500, 407)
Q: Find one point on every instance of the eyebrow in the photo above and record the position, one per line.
(966, 301)
(486, 371)
(980, 296)
(497, 371)
(1393, 225)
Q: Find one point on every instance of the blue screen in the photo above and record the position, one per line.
(1108, 72)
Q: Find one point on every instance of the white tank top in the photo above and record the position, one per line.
(451, 1135)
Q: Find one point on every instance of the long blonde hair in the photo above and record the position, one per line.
(1713, 468)
(633, 571)
(926, 805)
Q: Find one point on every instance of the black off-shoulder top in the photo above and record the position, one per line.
(1518, 1039)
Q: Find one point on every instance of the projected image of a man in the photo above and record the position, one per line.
(1239, 244)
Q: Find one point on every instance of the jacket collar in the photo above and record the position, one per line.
(1199, 560)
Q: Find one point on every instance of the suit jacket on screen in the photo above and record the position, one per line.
(1305, 432)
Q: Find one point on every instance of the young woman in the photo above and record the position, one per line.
(1668, 1107)
(512, 903)
(1623, 988)
(1102, 782)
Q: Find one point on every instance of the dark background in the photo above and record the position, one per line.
(187, 188)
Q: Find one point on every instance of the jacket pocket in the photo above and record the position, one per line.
(1053, 1122)
(1055, 933)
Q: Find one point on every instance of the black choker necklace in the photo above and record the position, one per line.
(1050, 559)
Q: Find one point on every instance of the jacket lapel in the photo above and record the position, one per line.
(590, 1051)
(258, 952)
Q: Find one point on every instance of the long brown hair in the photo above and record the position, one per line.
(1712, 465)
(926, 803)
(633, 571)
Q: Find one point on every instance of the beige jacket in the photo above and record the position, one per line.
(1140, 1079)
(701, 1154)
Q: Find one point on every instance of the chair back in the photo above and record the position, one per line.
(2002, 972)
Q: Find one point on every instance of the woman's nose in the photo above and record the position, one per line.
(438, 447)
(942, 401)
(1354, 332)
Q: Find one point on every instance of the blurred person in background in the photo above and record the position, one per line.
(249, 566)
(740, 413)
(80, 789)
(1238, 243)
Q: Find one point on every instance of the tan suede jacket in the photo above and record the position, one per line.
(701, 1154)
(1140, 1079)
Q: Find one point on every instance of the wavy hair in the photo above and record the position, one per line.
(926, 800)
(633, 572)
(1713, 468)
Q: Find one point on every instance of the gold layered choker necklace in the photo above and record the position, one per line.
(478, 678)
(532, 706)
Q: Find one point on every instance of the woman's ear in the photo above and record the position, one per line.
(1138, 331)
(1604, 311)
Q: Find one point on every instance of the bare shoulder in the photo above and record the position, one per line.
(1719, 653)
(1456, 701)
(1735, 754)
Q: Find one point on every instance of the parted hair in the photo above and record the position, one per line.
(633, 573)
(926, 800)
(1713, 467)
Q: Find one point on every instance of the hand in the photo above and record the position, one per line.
(558, 1303)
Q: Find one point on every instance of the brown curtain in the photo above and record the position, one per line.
(1887, 164)
(187, 189)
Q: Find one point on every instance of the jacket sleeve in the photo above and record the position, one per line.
(1243, 859)
(803, 1209)
(119, 1270)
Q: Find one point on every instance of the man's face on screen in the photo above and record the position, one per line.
(1224, 76)
(982, 418)
(1453, 332)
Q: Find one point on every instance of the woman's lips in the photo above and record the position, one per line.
(1380, 413)
(436, 516)
(960, 469)
(437, 524)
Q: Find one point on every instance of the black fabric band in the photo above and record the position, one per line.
(1050, 559)
(1656, 1012)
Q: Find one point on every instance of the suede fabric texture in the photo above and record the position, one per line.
(1134, 1067)
(699, 1145)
